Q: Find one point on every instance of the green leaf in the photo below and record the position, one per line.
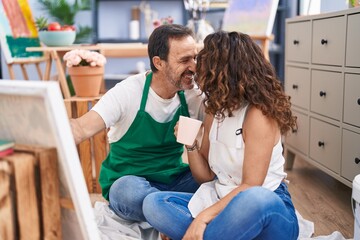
(64, 12)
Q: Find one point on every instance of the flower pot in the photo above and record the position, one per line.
(86, 80)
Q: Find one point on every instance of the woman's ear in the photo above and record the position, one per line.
(158, 63)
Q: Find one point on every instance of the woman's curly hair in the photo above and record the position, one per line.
(232, 72)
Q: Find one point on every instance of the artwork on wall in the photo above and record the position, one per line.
(33, 113)
(253, 17)
(17, 30)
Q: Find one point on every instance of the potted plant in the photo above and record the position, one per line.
(65, 11)
(86, 70)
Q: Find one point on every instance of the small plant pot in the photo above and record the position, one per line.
(86, 80)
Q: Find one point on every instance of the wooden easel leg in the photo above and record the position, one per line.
(46, 75)
(266, 44)
(24, 72)
(61, 74)
(11, 71)
(37, 65)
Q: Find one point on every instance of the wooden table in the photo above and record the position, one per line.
(118, 50)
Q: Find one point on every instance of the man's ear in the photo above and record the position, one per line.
(158, 63)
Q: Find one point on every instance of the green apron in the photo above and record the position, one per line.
(148, 149)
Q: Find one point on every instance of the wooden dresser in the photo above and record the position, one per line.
(322, 76)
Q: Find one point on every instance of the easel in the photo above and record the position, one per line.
(264, 43)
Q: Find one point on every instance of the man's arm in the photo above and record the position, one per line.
(86, 126)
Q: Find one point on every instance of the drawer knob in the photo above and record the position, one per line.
(358, 101)
(296, 42)
(322, 94)
(294, 86)
(324, 41)
(357, 160)
(321, 144)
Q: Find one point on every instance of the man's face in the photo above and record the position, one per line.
(181, 63)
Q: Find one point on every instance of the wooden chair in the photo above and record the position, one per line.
(18, 31)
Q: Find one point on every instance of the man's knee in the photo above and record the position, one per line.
(126, 187)
(130, 189)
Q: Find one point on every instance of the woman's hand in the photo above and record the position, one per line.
(197, 227)
(196, 230)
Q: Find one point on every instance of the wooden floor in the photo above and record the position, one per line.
(321, 199)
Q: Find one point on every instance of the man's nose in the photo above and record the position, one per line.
(192, 66)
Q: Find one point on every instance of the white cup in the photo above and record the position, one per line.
(187, 130)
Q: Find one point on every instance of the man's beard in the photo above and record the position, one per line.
(179, 84)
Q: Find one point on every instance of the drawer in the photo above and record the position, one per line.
(327, 93)
(298, 41)
(350, 165)
(328, 41)
(297, 85)
(299, 139)
(353, 40)
(325, 144)
(352, 99)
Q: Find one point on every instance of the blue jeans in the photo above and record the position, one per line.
(256, 213)
(127, 193)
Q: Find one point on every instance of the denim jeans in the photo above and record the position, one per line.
(256, 213)
(127, 193)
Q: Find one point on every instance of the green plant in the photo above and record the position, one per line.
(354, 3)
(41, 23)
(64, 12)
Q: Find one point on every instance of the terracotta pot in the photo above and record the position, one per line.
(86, 80)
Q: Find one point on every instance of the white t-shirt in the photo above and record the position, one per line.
(119, 106)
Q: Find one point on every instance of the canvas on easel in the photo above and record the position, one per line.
(33, 113)
(253, 17)
(17, 32)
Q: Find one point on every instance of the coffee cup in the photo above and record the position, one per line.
(188, 129)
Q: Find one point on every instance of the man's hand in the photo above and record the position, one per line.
(76, 130)
(86, 126)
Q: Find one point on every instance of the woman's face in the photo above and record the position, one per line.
(200, 67)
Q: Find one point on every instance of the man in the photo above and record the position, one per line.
(141, 112)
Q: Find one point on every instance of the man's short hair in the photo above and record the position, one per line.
(159, 40)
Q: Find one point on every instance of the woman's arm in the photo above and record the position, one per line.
(198, 159)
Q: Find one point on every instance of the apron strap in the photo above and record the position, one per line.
(146, 91)
(184, 107)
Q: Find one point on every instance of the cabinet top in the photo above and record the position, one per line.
(325, 15)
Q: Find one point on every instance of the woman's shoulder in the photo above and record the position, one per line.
(256, 121)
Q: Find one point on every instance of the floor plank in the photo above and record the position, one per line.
(321, 199)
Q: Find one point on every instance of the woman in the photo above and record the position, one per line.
(247, 112)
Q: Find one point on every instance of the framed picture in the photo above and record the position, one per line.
(33, 113)
(253, 17)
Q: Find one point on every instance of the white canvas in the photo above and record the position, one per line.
(253, 17)
(33, 112)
